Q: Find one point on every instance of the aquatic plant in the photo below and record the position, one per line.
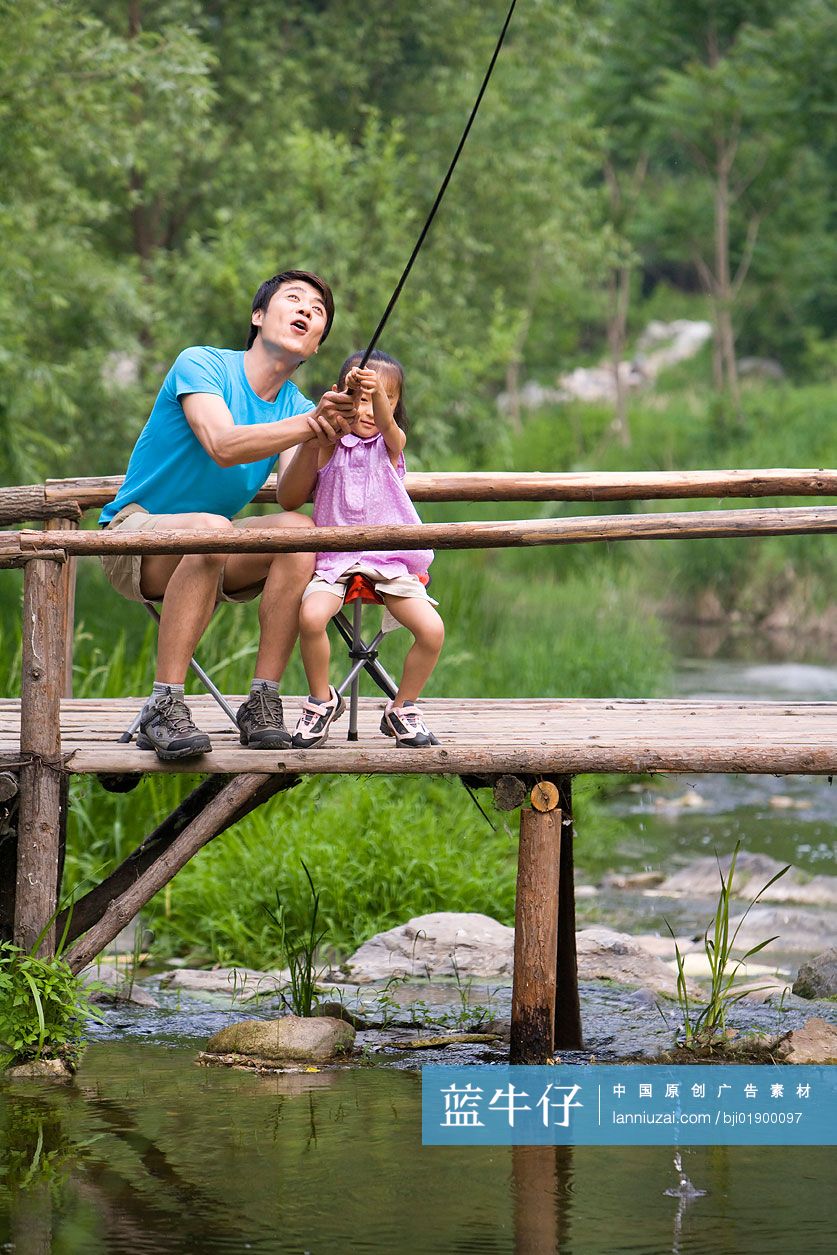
(298, 952)
(43, 1007)
(703, 1028)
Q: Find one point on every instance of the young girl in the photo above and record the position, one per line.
(359, 481)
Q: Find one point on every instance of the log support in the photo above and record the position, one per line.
(41, 769)
(8, 852)
(545, 1009)
(68, 600)
(89, 909)
(238, 797)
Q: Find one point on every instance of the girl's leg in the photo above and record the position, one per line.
(314, 615)
(422, 619)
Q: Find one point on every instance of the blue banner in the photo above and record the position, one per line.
(642, 1105)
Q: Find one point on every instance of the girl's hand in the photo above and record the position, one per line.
(366, 380)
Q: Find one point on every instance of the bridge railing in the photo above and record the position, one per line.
(70, 498)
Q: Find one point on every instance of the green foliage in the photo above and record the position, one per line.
(703, 1029)
(43, 1007)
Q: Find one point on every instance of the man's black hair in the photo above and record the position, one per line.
(265, 293)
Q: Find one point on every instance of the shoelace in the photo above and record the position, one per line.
(176, 713)
(411, 719)
(311, 712)
(270, 706)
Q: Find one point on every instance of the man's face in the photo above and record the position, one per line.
(294, 320)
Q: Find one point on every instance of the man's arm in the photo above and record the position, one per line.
(230, 445)
(298, 468)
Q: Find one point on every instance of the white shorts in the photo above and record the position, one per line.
(399, 586)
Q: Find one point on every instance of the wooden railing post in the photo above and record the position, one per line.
(39, 815)
(68, 600)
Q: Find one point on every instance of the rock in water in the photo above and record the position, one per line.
(818, 979)
(607, 955)
(815, 1042)
(290, 1038)
(440, 944)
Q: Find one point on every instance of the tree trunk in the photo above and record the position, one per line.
(619, 292)
(726, 371)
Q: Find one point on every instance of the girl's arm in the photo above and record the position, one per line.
(298, 470)
(370, 381)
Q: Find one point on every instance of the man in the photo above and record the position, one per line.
(219, 422)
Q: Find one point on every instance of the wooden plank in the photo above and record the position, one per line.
(39, 814)
(553, 736)
(517, 486)
(690, 524)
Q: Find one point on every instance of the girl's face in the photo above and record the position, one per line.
(365, 425)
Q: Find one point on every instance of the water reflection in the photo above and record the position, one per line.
(148, 1153)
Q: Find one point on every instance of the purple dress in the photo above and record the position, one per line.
(360, 486)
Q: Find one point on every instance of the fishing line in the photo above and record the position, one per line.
(437, 202)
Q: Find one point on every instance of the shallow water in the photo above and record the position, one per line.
(146, 1152)
(674, 819)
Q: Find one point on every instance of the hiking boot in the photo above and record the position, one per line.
(407, 726)
(167, 728)
(315, 720)
(261, 721)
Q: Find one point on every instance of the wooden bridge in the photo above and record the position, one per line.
(523, 749)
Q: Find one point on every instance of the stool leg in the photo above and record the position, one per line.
(357, 643)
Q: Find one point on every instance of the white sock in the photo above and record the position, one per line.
(272, 686)
(160, 690)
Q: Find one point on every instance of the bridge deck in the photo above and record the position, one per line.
(528, 736)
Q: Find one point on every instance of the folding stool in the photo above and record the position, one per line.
(364, 656)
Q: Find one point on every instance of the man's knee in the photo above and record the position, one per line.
(209, 522)
(295, 520)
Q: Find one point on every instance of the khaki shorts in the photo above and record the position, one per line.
(124, 569)
(400, 586)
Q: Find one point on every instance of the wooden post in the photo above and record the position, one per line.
(68, 600)
(8, 853)
(39, 816)
(567, 1005)
(536, 929)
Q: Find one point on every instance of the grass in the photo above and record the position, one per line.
(705, 1028)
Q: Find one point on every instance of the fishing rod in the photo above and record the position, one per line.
(439, 195)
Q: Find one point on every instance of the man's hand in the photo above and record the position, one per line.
(334, 417)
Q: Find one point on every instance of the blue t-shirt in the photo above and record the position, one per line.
(170, 472)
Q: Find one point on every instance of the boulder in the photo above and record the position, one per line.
(239, 983)
(797, 930)
(818, 978)
(290, 1038)
(439, 944)
(54, 1069)
(752, 872)
(113, 985)
(336, 1011)
(607, 955)
(815, 1042)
